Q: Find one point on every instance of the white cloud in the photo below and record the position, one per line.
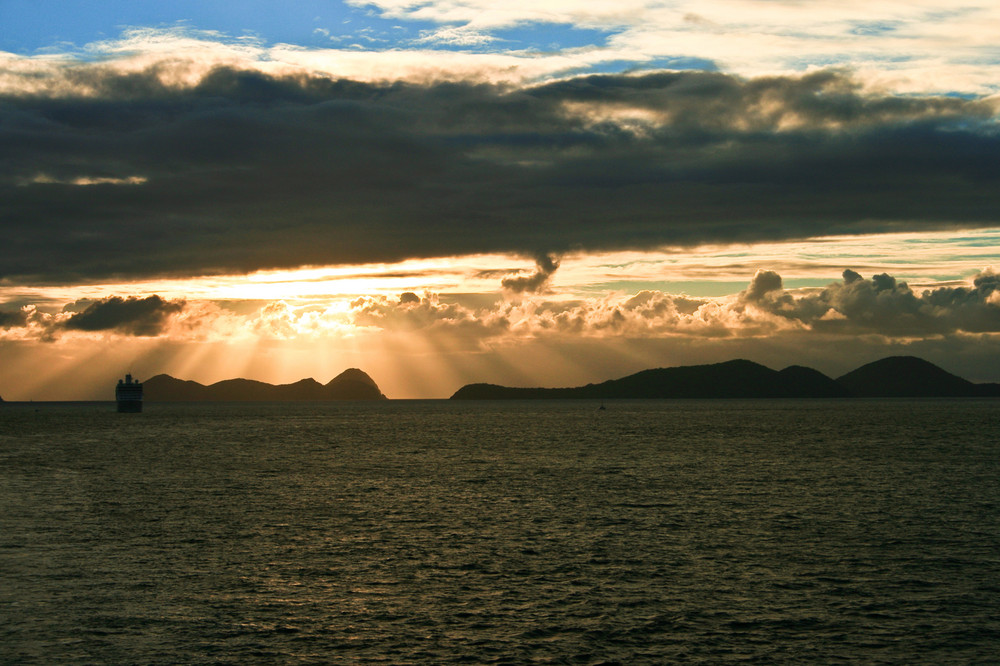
(909, 47)
(906, 46)
(464, 36)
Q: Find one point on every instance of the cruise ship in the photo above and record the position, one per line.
(128, 393)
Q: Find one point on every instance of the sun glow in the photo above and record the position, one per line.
(423, 328)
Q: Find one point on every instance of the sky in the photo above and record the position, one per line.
(543, 193)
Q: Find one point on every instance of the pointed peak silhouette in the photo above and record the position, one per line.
(354, 375)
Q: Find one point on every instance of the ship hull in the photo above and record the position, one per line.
(129, 406)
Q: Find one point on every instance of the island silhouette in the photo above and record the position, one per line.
(892, 377)
(351, 384)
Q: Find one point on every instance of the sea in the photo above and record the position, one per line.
(535, 532)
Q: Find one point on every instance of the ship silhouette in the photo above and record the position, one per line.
(128, 394)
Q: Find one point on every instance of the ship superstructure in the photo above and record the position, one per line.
(128, 393)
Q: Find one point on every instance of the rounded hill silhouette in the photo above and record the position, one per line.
(896, 376)
(908, 377)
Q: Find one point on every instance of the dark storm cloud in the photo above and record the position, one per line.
(763, 284)
(246, 171)
(130, 316)
(545, 266)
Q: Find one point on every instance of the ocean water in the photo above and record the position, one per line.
(434, 532)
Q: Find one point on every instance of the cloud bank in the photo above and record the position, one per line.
(164, 168)
(854, 306)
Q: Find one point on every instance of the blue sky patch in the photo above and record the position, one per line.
(620, 66)
(550, 37)
(33, 26)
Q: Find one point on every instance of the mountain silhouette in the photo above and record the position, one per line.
(910, 377)
(892, 377)
(352, 384)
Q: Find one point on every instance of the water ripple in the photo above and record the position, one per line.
(506, 533)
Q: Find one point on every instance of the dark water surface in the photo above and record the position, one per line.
(501, 532)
